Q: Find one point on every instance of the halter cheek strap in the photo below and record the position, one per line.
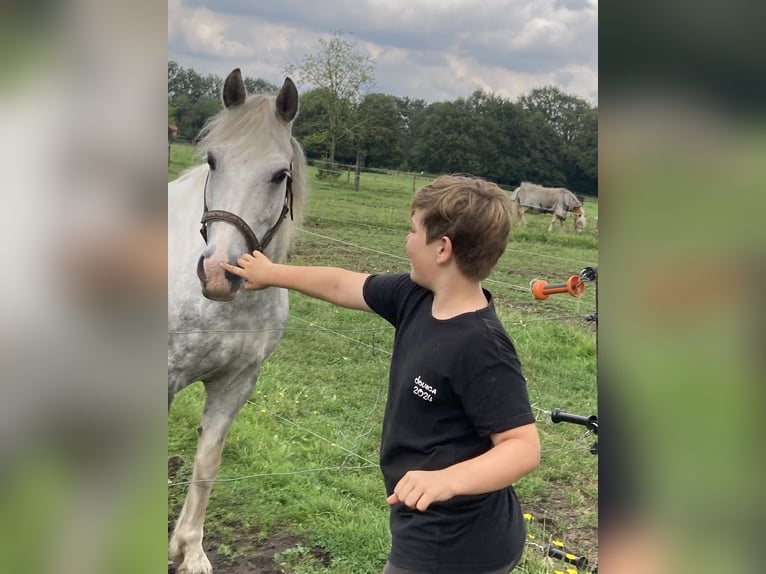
(250, 237)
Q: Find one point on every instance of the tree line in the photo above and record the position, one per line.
(546, 136)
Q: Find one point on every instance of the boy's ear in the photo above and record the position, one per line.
(444, 252)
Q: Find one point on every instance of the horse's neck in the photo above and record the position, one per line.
(191, 182)
(185, 201)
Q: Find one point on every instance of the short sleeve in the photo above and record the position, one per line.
(387, 294)
(496, 400)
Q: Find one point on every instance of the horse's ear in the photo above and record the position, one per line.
(234, 92)
(287, 101)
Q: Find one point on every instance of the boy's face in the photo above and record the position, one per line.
(422, 255)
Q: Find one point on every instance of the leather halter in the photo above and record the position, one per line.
(250, 237)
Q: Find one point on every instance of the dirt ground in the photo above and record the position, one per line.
(260, 553)
(260, 559)
(553, 519)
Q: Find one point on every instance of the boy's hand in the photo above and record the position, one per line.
(420, 488)
(254, 268)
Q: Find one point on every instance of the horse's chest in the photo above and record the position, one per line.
(216, 337)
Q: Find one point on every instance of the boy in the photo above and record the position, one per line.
(458, 429)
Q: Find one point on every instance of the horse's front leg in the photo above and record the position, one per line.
(221, 407)
(579, 222)
(186, 542)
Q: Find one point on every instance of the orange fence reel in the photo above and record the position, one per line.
(574, 286)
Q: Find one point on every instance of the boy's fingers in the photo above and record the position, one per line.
(233, 269)
(393, 499)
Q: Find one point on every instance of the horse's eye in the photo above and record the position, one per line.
(211, 160)
(279, 176)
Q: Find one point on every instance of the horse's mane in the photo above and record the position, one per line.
(300, 193)
(234, 125)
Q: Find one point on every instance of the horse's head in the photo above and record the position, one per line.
(248, 193)
(579, 219)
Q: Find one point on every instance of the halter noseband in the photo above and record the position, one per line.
(250, 237)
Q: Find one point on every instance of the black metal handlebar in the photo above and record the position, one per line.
(559, 416)
(591, 423)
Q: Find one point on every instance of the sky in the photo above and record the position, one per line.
(435, 50)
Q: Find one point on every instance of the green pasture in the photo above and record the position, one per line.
(180, 157)
(301, 456)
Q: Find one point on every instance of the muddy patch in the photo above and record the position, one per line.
(252, 553)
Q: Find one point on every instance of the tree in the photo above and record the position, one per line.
(412, 114)
(575, 123)
(259, 86)
(174, 73)
(381, 130)
(212, 86)
(341, 75)
(310, 127)
(448, 139)
(582, 155)
(564, 112)
(171, 114)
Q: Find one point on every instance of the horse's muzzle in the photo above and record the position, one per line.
(217, 283)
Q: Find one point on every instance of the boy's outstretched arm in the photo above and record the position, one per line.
(339, 286)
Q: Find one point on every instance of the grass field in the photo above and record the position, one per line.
(302, 455)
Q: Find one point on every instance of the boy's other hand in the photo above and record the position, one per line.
(420, 488)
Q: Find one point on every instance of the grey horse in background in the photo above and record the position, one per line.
(556, 200)
(250, 195)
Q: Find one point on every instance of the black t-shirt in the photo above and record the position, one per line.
(452, 384)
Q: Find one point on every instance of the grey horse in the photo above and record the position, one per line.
(250, 195)
(556, 200)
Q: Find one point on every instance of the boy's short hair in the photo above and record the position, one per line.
(474, 213)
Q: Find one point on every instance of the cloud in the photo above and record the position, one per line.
(427, 49)
(205, 32)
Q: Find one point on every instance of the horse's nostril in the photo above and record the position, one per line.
(235, 280)
(201, 269)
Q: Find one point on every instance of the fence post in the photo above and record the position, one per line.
(358, 169)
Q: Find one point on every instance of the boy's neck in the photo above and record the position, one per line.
(456, 297)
